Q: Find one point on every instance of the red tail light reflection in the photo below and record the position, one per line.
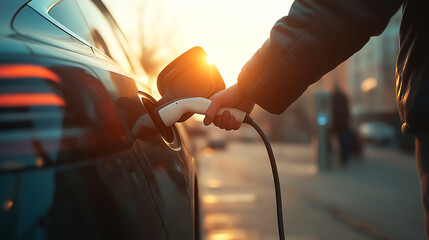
(31, 99)
(23, 71)
(27, 71)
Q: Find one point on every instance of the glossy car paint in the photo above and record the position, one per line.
(74, 171)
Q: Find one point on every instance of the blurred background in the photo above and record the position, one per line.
(346, 170)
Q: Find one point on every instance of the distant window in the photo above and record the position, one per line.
(103, 35)
(67, 12)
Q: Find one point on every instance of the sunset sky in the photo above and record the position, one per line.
(230, 31)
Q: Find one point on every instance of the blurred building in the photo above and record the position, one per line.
(370, 73)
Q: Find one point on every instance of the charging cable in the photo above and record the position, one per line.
(279, 207)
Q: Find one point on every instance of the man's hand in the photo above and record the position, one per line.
(231, 97)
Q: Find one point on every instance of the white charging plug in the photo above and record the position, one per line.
(171, 113)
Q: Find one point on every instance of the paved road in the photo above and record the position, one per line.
(376, 197)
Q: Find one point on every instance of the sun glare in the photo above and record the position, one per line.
(144, 79)
(210, 60)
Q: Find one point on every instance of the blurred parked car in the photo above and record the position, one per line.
(69, 166)
(377, 132)
(216, 139)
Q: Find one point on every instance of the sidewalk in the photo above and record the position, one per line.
(378, 193)
(376, 197)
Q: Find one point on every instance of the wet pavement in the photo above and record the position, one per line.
(375, 197)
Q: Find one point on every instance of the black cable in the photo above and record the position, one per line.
(280, 226)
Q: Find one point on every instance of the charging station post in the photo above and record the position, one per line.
(324, 122)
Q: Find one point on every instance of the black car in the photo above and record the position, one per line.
(69, 165)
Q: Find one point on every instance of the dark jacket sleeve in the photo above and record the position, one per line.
(314, 38)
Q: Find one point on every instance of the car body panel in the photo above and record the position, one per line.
(10, 46)
(106, 199)
(7, 12)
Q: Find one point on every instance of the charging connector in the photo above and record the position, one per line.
(166, 115)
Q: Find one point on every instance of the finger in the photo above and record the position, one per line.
(217, 121)
(230, 123)
(211, 111)
(237, 125)
(225, 118)
(223, 121)
(222, 124)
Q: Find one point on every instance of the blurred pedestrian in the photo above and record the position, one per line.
(313, 39)
(340, 123)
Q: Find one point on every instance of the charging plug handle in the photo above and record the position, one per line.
(172, 112)
(166, 115)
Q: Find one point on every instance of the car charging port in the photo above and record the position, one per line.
(167, 133)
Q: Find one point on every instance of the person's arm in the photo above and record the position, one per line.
(314, 38)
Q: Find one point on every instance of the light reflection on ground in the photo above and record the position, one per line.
(214, 183)
(230, 198)
(233, 200)
(300, 169)
(233, 234)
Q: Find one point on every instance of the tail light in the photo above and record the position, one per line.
(54, 115)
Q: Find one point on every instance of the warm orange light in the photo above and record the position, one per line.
(7, 205)
(222, 236)
(27, 71)
(369, 84)
(214, 184)
(210, 199)
(39, 162)
(213, 219)
(230, 198)
(208, 152)
(31, 99)
(229, 234)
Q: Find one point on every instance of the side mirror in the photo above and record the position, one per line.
(189, 75)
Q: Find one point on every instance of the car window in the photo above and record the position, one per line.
(32, 24)
(67, 12)
(89, 23)
(103, 36)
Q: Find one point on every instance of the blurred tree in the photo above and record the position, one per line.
(158, 35)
